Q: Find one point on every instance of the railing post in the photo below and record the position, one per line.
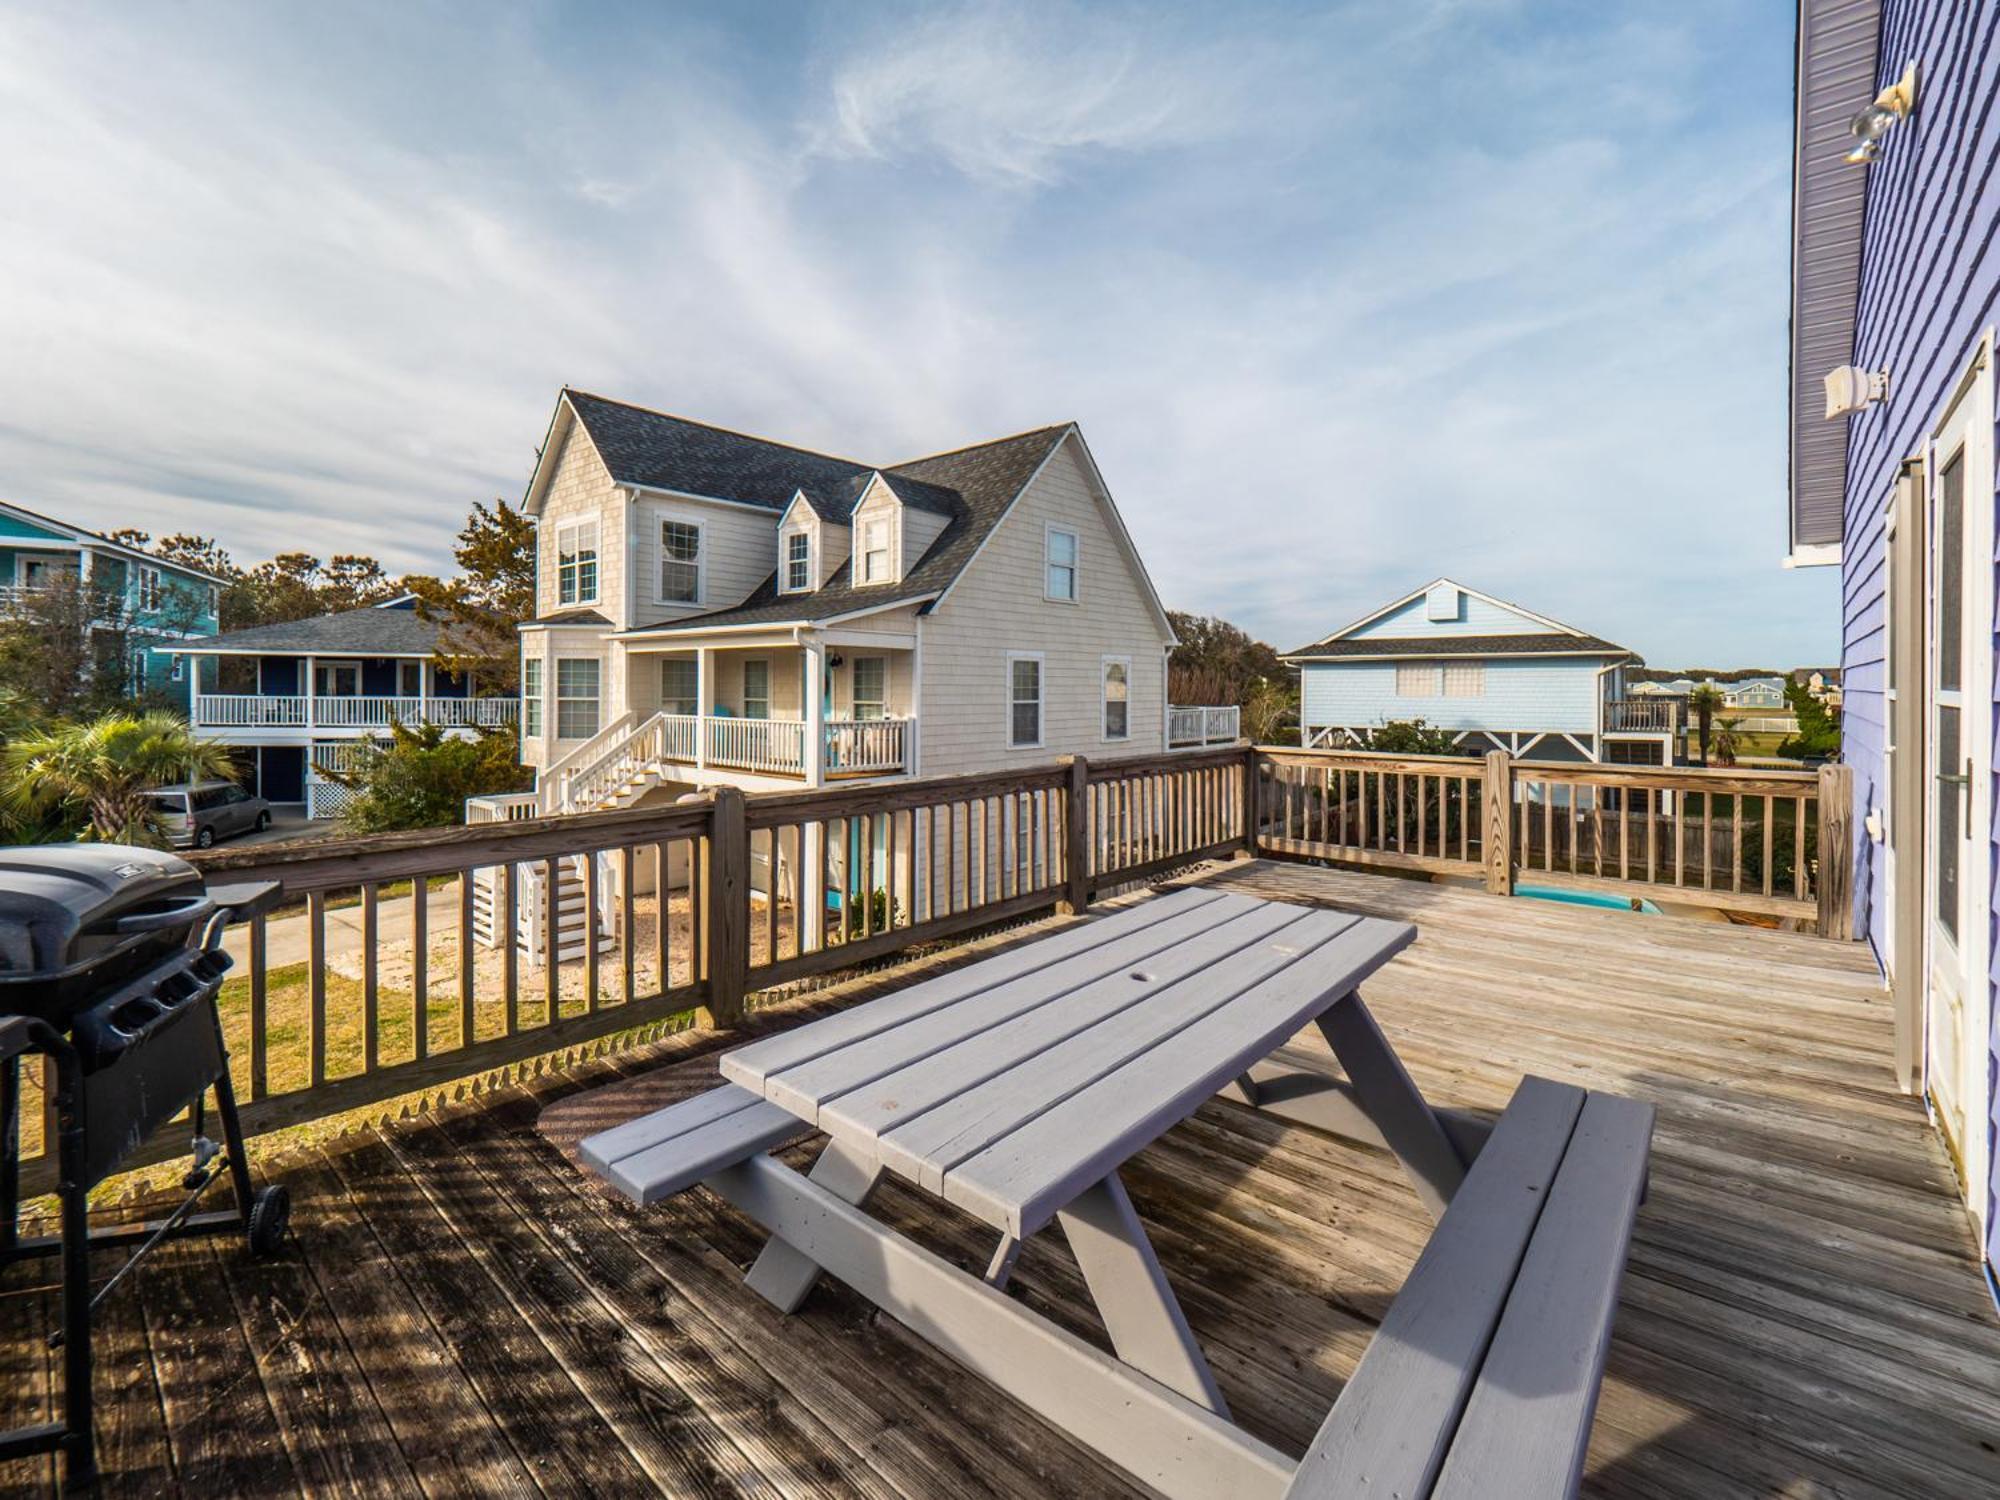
(1076, 836)
(725, 891)
(1497, 838)
(1251, 810)
(1836, 852)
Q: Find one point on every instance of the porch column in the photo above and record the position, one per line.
(814, 689)
(702, 681)
(312, 692)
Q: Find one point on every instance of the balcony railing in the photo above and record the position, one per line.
(1191, 726)
(783, 885)
(1640, 715)
(258, 711)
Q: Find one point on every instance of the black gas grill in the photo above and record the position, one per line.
(110, 961)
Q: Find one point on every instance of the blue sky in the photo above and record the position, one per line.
(1345, 297)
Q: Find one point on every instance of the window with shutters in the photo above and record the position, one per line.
(1465, 679)
(1416, 680)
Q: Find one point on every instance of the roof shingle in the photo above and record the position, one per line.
(1543, 643)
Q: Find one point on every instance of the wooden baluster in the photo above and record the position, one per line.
(628, 926)
(1770, 860)
(1736, 842)
(260, 1009)
(316, 987)
(590, 908)
(1625, 833)
(510, 945)
(551, 939)
(467, 958)
(420, 964)
(1799, 846)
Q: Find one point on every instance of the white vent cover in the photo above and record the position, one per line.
(1849, 389)
(1441, 603)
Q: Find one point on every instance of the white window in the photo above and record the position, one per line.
(757, 689)
(337, 679)
(798, 562)
(1061, 556)
(531, 697)
(871, 682)
(576, 563)
(149, 588)
(576, 697)
(680, 562)
(410, 679)
(1024, 702)
(1117, 697)
(1465, 679)
(1416, 680)
(875, 550)
(178, 671)
(680, 686)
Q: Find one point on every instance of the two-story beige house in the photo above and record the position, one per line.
(722, 609)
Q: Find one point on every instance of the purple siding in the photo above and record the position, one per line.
(1930, 288)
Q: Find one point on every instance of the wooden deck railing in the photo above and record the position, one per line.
(404, 962)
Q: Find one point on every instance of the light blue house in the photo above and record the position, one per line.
(152, 603)
(1895, 298)
(1498, 676)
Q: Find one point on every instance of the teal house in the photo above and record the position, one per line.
(1495, 675)
(146, 602)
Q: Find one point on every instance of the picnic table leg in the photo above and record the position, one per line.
(1390, 1098)
(782, 1274)
(1147, 1328)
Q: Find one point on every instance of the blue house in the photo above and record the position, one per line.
(1895, 291)
(147, 600)
(300, 698)
(1498, 676)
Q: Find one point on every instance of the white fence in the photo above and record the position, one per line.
(1192, 726)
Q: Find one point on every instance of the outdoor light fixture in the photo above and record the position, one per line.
(1849, 389)
(1891, 105)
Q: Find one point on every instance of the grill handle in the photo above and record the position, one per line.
(182, 913)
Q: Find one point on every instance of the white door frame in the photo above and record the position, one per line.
(1965, 426)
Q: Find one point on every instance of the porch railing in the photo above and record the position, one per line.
(855, 746)
(298, 711)
(1640, 715)
(775, 745)
(655, 911)
(1187, 725)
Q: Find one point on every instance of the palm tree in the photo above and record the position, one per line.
(1726, 741)
(1705, 702)
(105, 766)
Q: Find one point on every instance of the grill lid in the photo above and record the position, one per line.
(63, 905)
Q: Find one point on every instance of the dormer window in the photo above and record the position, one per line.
(576, 563)
(680, 562)
(875, 550)
(798, 562)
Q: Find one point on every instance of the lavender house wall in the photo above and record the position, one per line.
(1929, 290)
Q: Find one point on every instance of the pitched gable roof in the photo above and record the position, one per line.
(1553, 638)
(654, 450)
(103, 543)
(977, 484)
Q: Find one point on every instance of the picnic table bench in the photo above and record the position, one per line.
(1015, 1088)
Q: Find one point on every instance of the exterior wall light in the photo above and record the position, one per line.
(1849, 389)
(1893, 104)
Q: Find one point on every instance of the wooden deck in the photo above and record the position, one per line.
(463, 1314)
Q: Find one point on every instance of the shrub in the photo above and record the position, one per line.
(422, 776)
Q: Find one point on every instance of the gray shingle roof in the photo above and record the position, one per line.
(1540, 644)
(573, 617)
(973, 486)
(369, 631)
(665, 452)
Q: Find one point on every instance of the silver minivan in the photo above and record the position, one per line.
(194, 817)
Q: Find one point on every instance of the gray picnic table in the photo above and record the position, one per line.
(1014, 1089)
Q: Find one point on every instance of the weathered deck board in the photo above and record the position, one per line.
(464, 1313)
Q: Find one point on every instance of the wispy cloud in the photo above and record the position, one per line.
(1344, 298)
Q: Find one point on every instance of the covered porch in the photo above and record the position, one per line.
(816, 706)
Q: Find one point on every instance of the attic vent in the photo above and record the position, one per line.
(1441, 603)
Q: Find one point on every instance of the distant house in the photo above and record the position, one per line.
(149, 601)
(1759, 693)
(1494, 674)
(306, 694)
